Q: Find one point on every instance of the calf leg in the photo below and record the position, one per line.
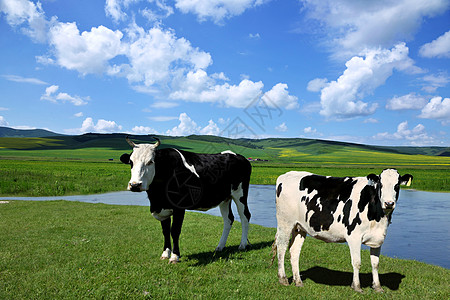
(167, 243)
(178, 217)
(298, 237)
(355, 253)
(228, 218)
(374, 259)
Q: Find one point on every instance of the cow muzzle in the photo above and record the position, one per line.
(389, 204)
(135, 186)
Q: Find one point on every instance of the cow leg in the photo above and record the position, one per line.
(298, 237)
(228, 218)
(374, 259)
(282, 242)
(178, 217)
(167, 243)
(355, 253)
(240, 198)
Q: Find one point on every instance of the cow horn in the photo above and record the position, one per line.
(158, 142)
(132, 144)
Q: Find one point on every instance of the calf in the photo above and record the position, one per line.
(177, 180)
(353, 210)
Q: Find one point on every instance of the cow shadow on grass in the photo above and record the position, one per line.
(331, 277)
(205, 258)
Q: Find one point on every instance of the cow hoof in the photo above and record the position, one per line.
(378, 289)
(299, 283)
(219, 249)
(166, 254)
(242, 247)
(357, 288)
(283, 281)
(174, 259)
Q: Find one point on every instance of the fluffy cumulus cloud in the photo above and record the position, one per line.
(27, 16)
(143, 130)
(341, 99)
(438, 108)
(282, 127)
(317, 84)
(279, 96)
(216, 10)
(188, 126)
(102, 126)
(409, 101)
(355, 25)
(416, 136)
(440, 47)
(86, 52)
(52, 95)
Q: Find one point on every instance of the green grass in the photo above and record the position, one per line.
(58, 249)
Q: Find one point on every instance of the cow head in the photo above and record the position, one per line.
(388, 186)
(142, 161)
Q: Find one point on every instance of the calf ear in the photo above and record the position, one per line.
(373, 179)
(125, 158)
(406, 179)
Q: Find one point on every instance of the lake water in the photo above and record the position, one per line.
(419, 230)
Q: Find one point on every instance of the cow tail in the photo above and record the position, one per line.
(274, 251)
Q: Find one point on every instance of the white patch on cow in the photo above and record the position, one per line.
(4, 202)
(188, 166)
(227, 152)
(163, 214)
(143, 170)
(388, 179)
(166, 254)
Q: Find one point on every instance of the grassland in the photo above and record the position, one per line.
(71, 250)
(88, 164)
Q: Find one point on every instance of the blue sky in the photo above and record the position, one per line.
(372, 72)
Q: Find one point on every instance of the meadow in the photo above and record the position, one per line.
(90, 163)
(72, 250)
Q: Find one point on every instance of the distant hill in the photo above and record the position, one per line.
(11, 132)
(43, 139)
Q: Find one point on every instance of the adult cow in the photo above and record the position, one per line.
(353, 210)
(177, 180)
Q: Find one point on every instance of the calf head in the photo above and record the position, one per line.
(388, 186)
(142, 162)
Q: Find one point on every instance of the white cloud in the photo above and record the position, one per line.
(158, 10)
(102, 126)
(216, 10)
(440, 47)
(356, 25)
(309, 130)
(17, 78)
(78, 115)
(282, 127)
(166, 104)
(3, 121)
(438, 108)
(416, 136)
(255, 36)
(279, 96)
(88, 52)
(20, 12)
(210, 129)
(433, 82)
(187, 126)
(370, 121)
(317, 84)
(162, 118)
(50, 95)
(3, 108)
(341, 99)
(143, 130)
(409, 101)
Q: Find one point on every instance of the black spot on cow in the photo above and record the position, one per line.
(330, 191)
(346, 218)
(369, 197)
(279, 188)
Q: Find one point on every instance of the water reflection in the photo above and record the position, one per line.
(419, 230)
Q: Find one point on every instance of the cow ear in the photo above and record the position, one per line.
(373, 179)
(406, 179)
(125, 158)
